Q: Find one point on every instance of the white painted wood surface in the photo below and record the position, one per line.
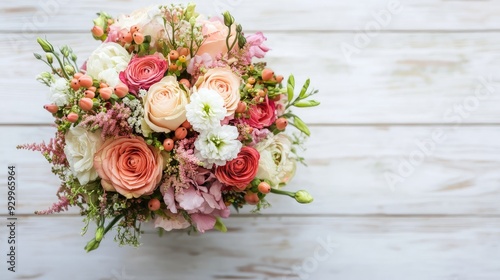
(440, 222)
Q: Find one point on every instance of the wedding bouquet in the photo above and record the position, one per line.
(169, 120)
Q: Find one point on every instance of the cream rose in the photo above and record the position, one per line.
(106, 63)
(277, 162)
(81, 146)
(165, 105)
(149, 20)
(225, 82)
(215, 33)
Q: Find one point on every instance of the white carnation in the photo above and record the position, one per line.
(81, 146)
(206, 110)
(58, 93)
(106, 63)
(218, 145)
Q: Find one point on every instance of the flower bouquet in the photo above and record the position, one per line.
(169, 120)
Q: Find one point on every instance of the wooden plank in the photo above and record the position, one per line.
(269, 248)
(39, 16)
(398, 78)
(346, 173)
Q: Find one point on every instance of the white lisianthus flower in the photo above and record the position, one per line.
(277, 162)
(106, 63)
(81, 146)
(58, 93)
(217, 145)
(206, 110)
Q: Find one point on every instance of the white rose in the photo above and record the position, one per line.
(58, 93)
(277, 162)
(106, 63)
(81, 146)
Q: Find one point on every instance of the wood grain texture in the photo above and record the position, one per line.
(397, 79)
(346, 172)
(429, 15)
(270, 248)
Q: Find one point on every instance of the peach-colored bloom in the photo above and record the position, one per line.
(215, 33)
(129, 166)
(227, 84)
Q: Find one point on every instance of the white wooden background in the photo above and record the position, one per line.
(441, 222)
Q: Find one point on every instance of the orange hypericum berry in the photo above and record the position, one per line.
(52, 108)
(242, 107)
(121, 90)
(173, 55)
(182, 58)
(172, 67)
(92, 88)
(86, 104)
(72, 117)
(251, 80)
(184, 51)
(85, 81)
(251, 198)
(279, 78)
(89, 94)
(138, 38)
(127, 37)
(181, 133)
(154, 204)
(103, 85)
(168, 144)
(97, 31)
(281, 123)
(105, 93)
(74, 84)
(185, 82)
(186, 124)
(267, 74)
(264, 187)
(78, 75)
(134, 28)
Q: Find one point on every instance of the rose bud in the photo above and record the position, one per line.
(72, 117)
(303, 197)
(86, 104)
(52, 108)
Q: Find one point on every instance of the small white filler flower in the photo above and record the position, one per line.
(217, 145)
(206, 110)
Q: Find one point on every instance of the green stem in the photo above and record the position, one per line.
(62, 66)
(112, 223)
(277, 191)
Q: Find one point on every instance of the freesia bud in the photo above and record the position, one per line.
(50, 58)
(92, 245)
(73, 57)
(303, 196)
(65, 51)
(46, 46)
(99, 234)
(239, 28)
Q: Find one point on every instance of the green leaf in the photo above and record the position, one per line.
(219, 225)
(306, 103)
(290, 87)
(304, 88)
(300, 125)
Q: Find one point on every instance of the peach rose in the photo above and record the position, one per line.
(227, 84)
(215, 32)
(129, 166)
(165, 105)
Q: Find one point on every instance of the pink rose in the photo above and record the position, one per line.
(256, 45)
(262, 114)
(129, 166)
(227, 84)
(215, 32)
(144, 71)
(240, 171)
